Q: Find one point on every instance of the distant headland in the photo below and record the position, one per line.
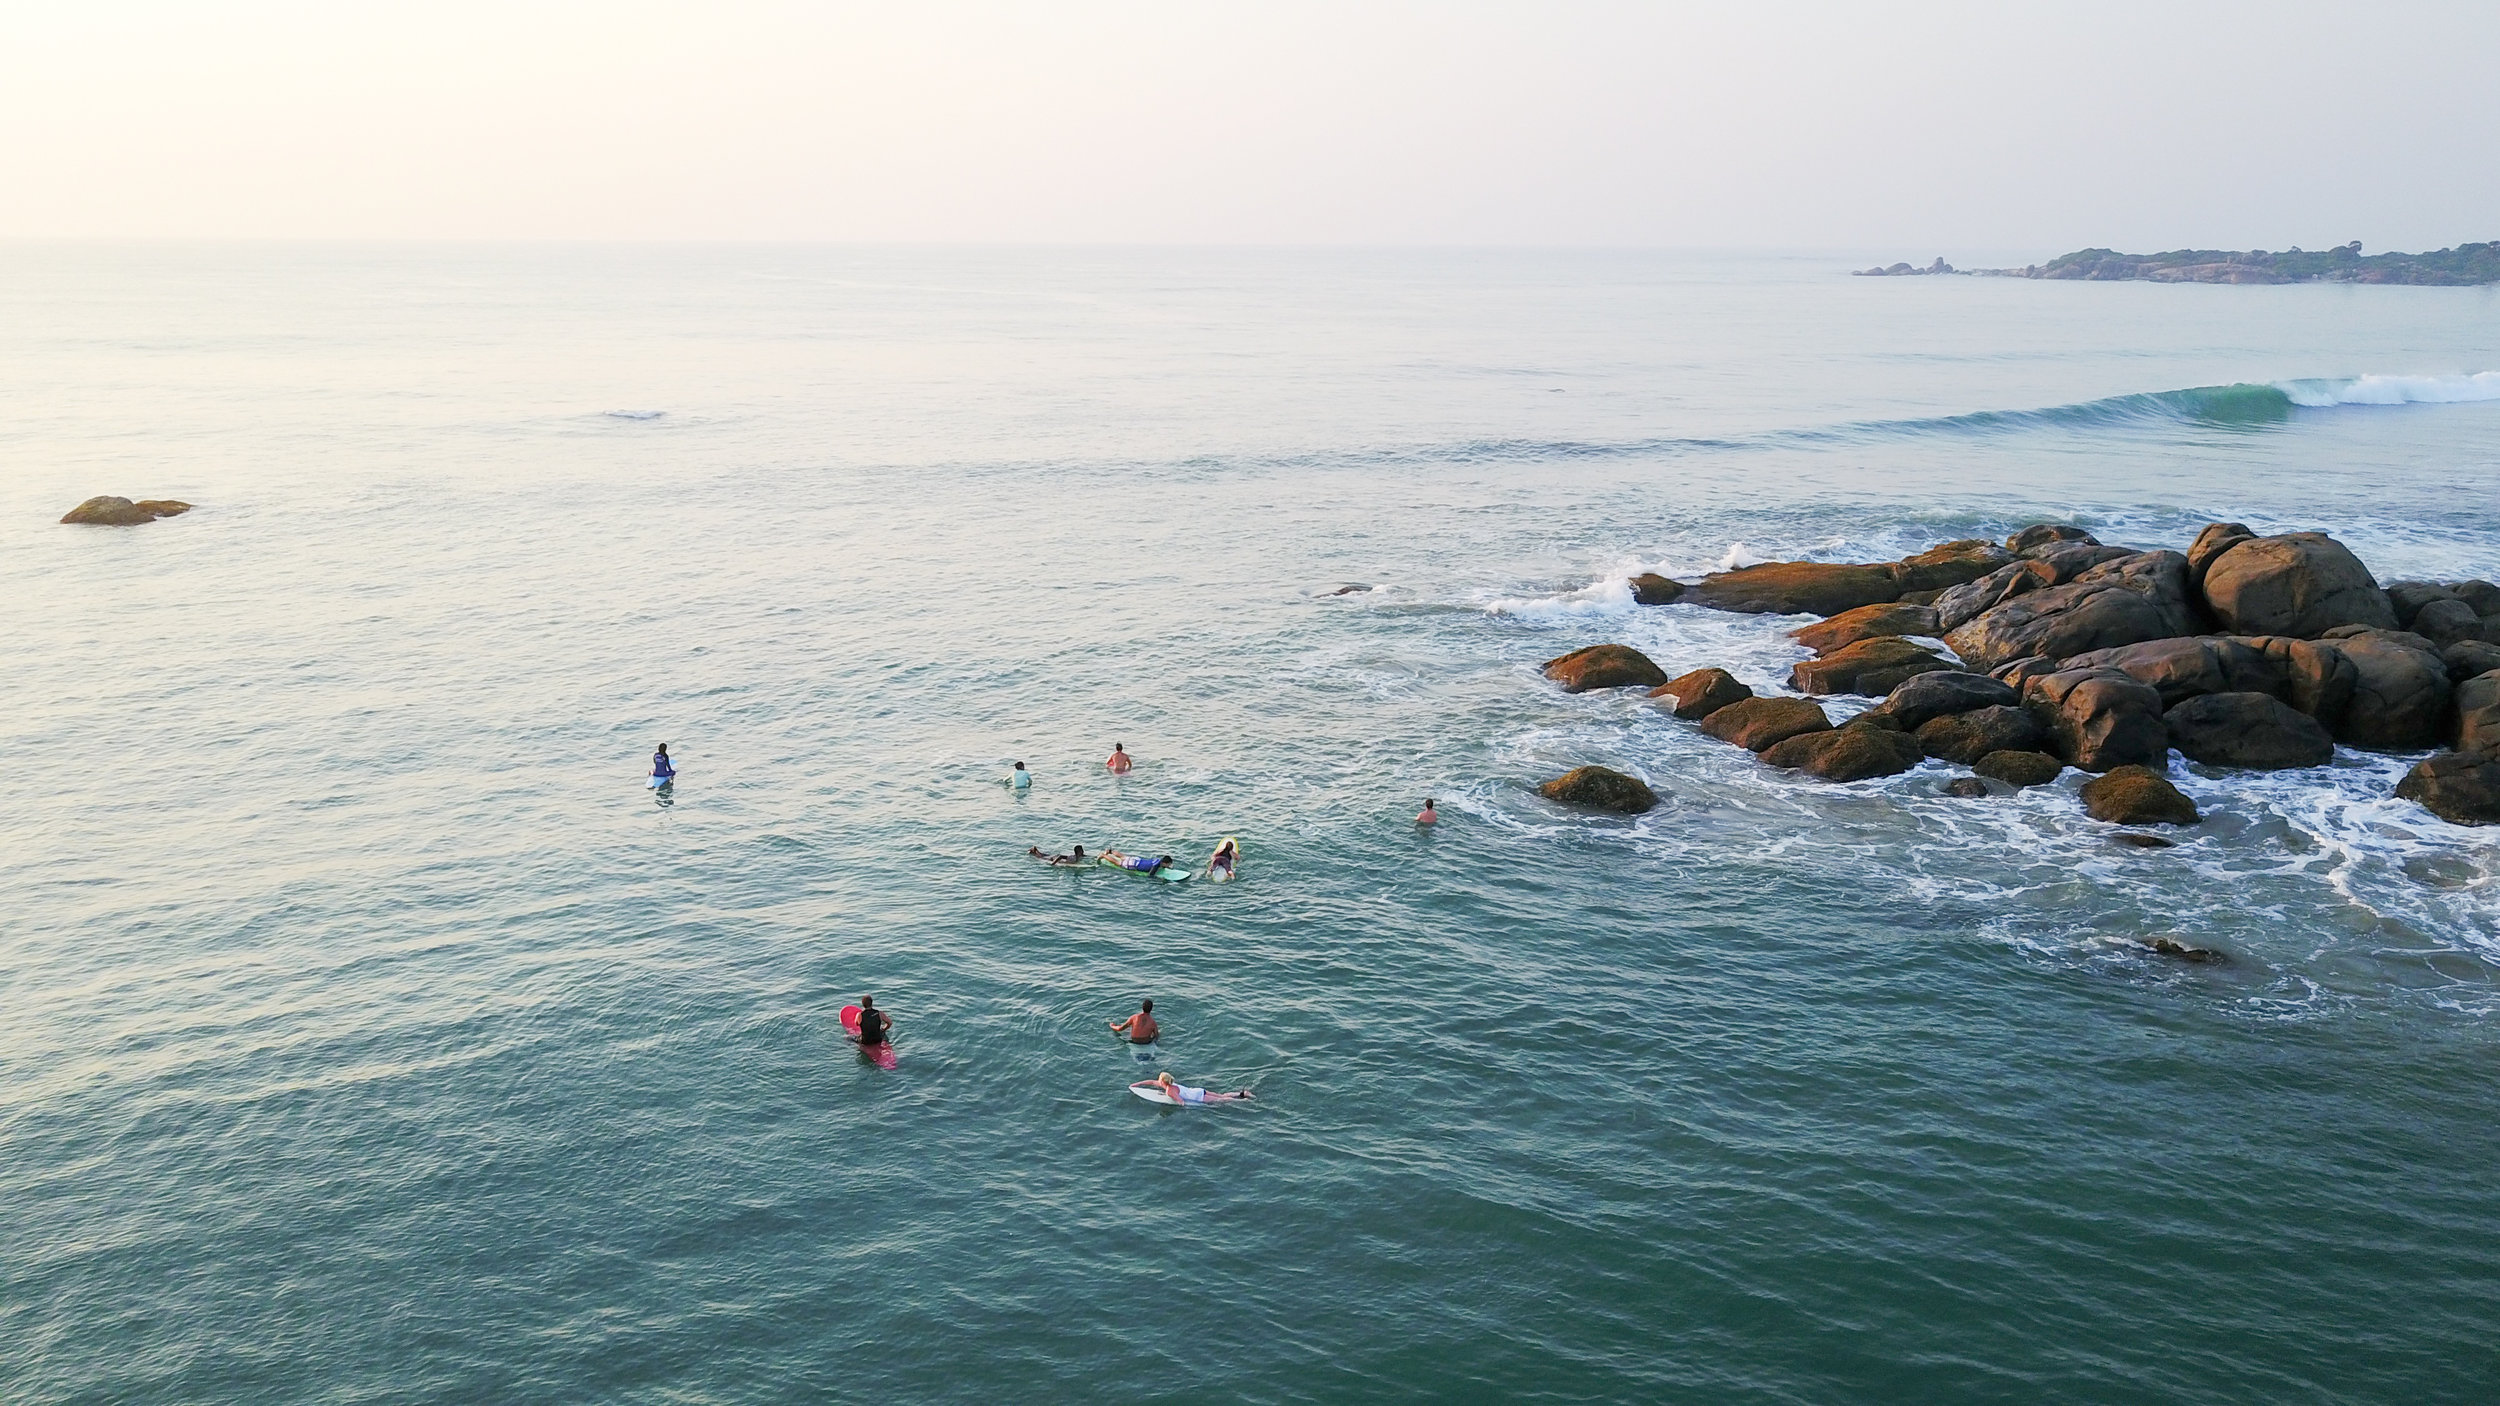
(2464, 266)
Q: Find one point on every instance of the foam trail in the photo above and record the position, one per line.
(2393, 390)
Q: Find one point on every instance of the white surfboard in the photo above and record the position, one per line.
(1152, 1092)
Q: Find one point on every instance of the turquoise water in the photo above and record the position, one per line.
(370, 1032)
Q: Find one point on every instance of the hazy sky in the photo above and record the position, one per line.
(1903, 130)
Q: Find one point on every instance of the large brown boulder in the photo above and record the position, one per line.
(2462, 788)
(1865, 623)
(2099, 718)
(2054, 564)
(1700, 693)
(2139, 597)
(1600, 788)
(105, 510)
(2407, 598)
(2400, 691)
(2192, 666)
(1760, 723)
(2255, 730)
(1604, 666)
(2135, 795)
(1871, 666)
(1949, 565)
(1936, 693)
(2301, 584)
(2482, 595)
(2478, 714)
(1967, 737)
(2048, 534)
(2317, 678)
(2019, 769)
(2217, 538)
(1797, 588)
(1847, 753)
(2446, 622)
(1650, 588)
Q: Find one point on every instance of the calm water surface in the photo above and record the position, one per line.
(369, 1033)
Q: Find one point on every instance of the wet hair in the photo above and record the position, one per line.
(868, 1003)
(1146, 1006)
(1427, 802)
(1080, 849)
(1119, 746)
(1019, 766)
(1163, 859)
(663, 746)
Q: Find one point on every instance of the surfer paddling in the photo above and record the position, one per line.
(1139, 1028)
(1183, 1093)
(1138, 863)
(1069, 860)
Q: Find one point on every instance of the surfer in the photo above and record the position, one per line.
(1072, 857)
(1020, 779)
(1182, 1093)
(1142, 865)
(1429, 816)
(1118, 760)
(1222, 861)
(873, 1025)
(1139, 1028)
(663, 770)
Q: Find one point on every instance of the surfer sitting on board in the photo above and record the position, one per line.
(1139, 1028)
(1140, 864)
(1182, 1093)
(1118, 760)
(662, 769)
(873, 1026)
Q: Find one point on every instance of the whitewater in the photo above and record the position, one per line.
(370, 1031)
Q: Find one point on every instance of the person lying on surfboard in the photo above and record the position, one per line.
(1140, 864)
(1139, 1028)
(1072, 857)
(1182, 1093)
(1222, 861)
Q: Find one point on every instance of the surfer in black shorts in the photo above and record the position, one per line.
(1139, 1028)
(872, 1023)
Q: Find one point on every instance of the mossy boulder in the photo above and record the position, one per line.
(1604, 666)
(1757, 724)
(2137, 795)
(1847, 753)
(1650, 588)
(105, 510)
(1697, 695)
(1873, 667)
(2019, 769)
(1601, 788)
(1867, 622)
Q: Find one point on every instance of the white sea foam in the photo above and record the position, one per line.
(2393, 390)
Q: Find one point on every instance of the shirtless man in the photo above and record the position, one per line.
(1429, 816)
(1139, 1028)
(1183, 1093)
(1118, 760)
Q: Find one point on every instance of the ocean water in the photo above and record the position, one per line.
(369, 1032)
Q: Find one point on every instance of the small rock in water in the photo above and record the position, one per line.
(1650, 588)
(2134, 795)
(106, 510)
(1601, 788)
(2020, 768)
(1349, 590)
(1966, 787)
(2141, 841)
(2173, 947)
(1604, 666)
(1700, 693)
(1759, 724)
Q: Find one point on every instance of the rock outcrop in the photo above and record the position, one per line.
(2099, 719)
(2400, 690)
(2462, 788)
(1967, 737)
(1952, 564)
(1650, 588)
(2135, 795)
(1847, 753)
(1865, 623)
(1871, 666)
(2300, 584)
(2478, 714)
(2139, 597)
(2468, 659)
(2048, 534)
(1797, 588)
(1921, 697)
(105, 510)
(2019, 769)
(2052, 563)
(2255, 730)
(1757, 724)
(2447, 622)
(1604, 666)
(1601, 788)
(1697, 695)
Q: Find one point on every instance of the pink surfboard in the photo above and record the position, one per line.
(882, 1052)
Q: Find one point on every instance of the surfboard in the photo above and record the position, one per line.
(1224, 876)
(1169, 873)
(882, 1053)
(1152, 1092)
(659, 781)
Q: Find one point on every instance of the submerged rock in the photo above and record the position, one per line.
(1700, 693)
(1601, 788)
(1967, 737)
(2135, 795)
(1847, 753)
(1650, 588)
(1757, 724)
(1604, 666)
(1871, 666)
(105, 510)
(2462, 788)
(2301, 584)
(2019, 769)
(2253, 730)
(1866, 622)
(1969, 788)
(2173, 947)
(1797, 588)
(2133, 840)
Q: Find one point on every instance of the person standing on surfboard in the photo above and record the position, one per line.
(1118, 760)
(1182, 1093)
(1139, 1028)
(872, 1023)
(663, 770)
